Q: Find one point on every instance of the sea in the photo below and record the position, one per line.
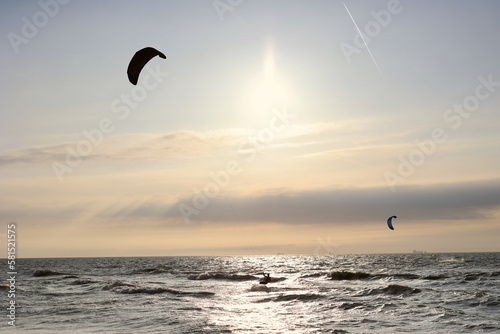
(377, 293)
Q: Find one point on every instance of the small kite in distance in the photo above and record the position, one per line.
(389, 222)
(139, 60)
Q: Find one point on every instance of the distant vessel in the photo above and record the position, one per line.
(418, 252)
(280, 253)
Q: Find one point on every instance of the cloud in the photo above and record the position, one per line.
(447, 202)
(129, 147)
(46, 212)
(34, 154)
(182, 144)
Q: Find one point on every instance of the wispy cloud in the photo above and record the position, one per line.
(182, 144)
(130, 147)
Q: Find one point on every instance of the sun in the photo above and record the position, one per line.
(268, 95)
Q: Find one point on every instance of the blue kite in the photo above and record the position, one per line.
(389, 222)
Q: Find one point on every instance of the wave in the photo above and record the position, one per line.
(277, 279)
(152, 271)
(347, 275)
(487, 302)
(221, 276)
(395, 289)
(260, 287)
(392, 289)
(83, 282)
(70, 276)
(126, 288)
(313, 275)
(482, 327)
(405, 276)
(452, 259)
(435, 277)
(480, 275)
(267, 288)
(348, 306)
(116, 284)
(307, 297)
(43, 273)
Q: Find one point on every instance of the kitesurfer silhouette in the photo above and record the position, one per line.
(266, 279)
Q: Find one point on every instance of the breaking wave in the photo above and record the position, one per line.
(313, 275)
(347, 275)
(395, 289)
(43, 273)
(126, 288)
(307, 297)
(435, 277)
(70, 276)
(222, 276)
(348, 306)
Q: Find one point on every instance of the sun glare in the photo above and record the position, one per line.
(267, 92)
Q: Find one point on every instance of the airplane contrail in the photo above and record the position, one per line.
(366, 45)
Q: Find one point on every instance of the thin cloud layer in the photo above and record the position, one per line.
(128, 147)
(179, 144)
(416, 204)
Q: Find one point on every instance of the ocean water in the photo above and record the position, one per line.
(382, 293)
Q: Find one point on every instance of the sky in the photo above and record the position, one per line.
(293, 127)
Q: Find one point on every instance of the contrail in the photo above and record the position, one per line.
(366, 45)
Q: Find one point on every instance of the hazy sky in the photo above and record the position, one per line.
(272, 126)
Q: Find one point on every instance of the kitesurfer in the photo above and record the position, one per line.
(266, 279)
